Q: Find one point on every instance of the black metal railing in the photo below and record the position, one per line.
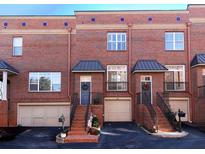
(87, 115)
(74, 104)
(96, 98)
(165, 108)
(201, 91)
(117, 86)
(142, 98)
(176, 86)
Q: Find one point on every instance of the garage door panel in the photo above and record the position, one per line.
(183, 105)
(44, 115)
(117, 110)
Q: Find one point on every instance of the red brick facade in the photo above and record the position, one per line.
(58, 48)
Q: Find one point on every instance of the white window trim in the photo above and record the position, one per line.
(51, 77)
(174, 41)
(116, 42)
(142, 79)
(183, 79)
(116, 81)
(18, 46)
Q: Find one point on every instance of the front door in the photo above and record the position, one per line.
(146, 89)
(85, 93)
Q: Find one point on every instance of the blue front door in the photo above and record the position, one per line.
(85, 93)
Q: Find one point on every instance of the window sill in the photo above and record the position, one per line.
(44, 91)
(17, 56)
(116, 50)
(174, 50)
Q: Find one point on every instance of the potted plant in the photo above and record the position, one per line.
(95, 129)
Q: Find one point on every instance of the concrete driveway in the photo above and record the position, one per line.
(114, 135)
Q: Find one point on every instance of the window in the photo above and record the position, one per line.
(174, 41)
(116, 41)
(117, 78)
(17, 46)
(44, 81)
(175, 78)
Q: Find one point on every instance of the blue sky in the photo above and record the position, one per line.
(68, 9)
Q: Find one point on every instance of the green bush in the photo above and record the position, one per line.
(95, 122)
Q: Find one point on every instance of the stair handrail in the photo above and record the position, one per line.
(149, 107)
(164, 107)
(87, 115)
(74, 104)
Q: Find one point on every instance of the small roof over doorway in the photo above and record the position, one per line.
(148, 66)
(198, 60)
(88, 66)
(4, 66)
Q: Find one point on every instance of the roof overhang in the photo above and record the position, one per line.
(91, 71)
(12, 72)
(149, 71)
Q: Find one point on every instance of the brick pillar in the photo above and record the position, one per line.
(3, 113)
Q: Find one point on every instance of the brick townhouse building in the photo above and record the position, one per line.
(120, 65)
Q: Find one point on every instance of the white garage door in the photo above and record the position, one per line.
(183, 105)
(117, 110)
(43, 115)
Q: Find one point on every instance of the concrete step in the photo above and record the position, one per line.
(77, 133)
(77, 129)
(82, 139)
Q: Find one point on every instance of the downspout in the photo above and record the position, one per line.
(189, 66)
(69, 63)
(130, 68)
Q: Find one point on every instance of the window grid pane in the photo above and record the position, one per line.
(45, 81)
(116, 41)
(174, 41)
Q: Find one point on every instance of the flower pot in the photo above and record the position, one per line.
(63, 135)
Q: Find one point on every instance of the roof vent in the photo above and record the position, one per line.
(65, 24)
(5, 24)
(45, 24)
(23, 24)
(149, 19)
(178, 19)
(122, 19)
(93, 19)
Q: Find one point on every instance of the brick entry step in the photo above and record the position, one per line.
(77, 133)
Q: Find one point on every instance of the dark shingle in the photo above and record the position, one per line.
(148, 66)
(88, 66)
(5, 66)
(199, 59)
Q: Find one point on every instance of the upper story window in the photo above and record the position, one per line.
(44, 81)
(117, 77)
(17, 46)
(174, 41)
(116, 41)
(175, 78)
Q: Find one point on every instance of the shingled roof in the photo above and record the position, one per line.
(199, 59)
(88, 66)
(4, 66)
(148, 66)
